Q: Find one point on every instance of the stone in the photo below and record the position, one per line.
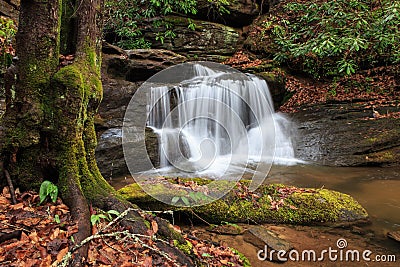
(116, 96)
(110, 155)
(267, 240)
(226, 229)
(209, 41)
(140, 64)
(112, 49)
(394, 235)
(302, 206)
(341, 134)
(239, 13)
(276, 85)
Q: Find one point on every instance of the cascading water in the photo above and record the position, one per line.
(214, 120)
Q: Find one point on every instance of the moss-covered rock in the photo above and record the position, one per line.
(274, 203)
(209, 41)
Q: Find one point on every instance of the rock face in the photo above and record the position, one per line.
(209, 41)
(238, 13)
(140, 64)
(123, 73)
(344, 134)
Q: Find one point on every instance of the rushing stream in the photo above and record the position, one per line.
(213, 123)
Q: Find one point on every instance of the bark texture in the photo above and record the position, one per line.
(49, 122)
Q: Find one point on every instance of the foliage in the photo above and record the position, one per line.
(130, 20)
(48, 189)
(96, 218)
(334, 38)
(7, 33)
(114, 244)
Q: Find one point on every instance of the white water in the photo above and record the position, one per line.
(218, 120)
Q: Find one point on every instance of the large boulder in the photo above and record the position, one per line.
(347, 134)
(274, 203)
(209, 41)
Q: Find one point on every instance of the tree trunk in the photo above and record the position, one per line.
(49, 125)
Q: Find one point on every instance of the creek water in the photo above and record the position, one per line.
(377, 190)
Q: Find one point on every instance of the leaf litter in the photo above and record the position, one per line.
(30, 235)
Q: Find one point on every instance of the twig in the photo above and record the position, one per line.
(136, 237)
(200, 218)
(10, 185)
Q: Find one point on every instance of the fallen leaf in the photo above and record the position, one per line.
(154, 226)
(61, 254)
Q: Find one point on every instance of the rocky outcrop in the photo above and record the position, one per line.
(237, 14)
(139, 64)
(123, 73)
(209, 41)
(346, 134)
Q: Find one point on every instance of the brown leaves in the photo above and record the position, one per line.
(242, 61)
(377, 87)
(41, 239)
(43, 242)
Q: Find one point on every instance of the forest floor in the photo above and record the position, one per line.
(42, 235)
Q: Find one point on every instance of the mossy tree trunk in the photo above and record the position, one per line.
(49, 123)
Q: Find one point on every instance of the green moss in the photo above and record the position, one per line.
(301, 206)
(186, 247)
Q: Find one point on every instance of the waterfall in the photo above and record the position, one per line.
(215, 119)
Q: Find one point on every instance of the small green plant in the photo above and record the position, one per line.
(191, 198)
(96, 218)
(57, 219)
(7, 33)
(48, 189)
(176, 199)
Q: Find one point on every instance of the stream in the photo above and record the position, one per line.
(377, 190)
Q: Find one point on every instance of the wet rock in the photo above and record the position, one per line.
(109, 154)
(276, 85)
(394, 235)
(263, 239)
(116, 96)
(139, 64)
(345, 134)
(209, 41)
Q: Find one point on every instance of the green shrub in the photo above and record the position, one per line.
(129, 20)
(333, 38)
